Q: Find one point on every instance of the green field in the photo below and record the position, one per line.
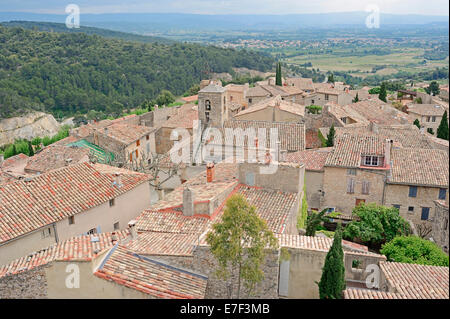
(406, 59)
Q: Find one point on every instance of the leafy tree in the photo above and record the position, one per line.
(10, 151)
(239, 241)
(278, 80)
(383, 93)
(330, 136)
(414, 250)
(356, 99)
(433, 88)
(376, 225)
(442, 131)
(314, 220)
(165, 98)
(332, 282)
(417, 123)
(375, 90)
(36, 141)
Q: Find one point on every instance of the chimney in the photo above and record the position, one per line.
(373, 127)
(283, 155)
(387, 151)
(209, 172)
(268, 157)
(68, 161)
(188, 202)
(117, 179)
(113, 238)
(132, 228)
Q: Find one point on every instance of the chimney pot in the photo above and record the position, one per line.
(209, 172)
(113, 238)
(132, 228)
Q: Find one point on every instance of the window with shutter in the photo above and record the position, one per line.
(365, 187)
(350, 185)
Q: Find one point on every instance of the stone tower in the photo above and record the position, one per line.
(212, 105)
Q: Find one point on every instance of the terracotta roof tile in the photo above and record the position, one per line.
(313, 159)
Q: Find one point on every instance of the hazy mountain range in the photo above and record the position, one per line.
(148, 22)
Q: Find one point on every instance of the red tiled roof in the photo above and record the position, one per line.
(127, 133)
(313, 159)
(184, 118)
(76, 248)
(150, 276)
(156, 243)
(56, 195)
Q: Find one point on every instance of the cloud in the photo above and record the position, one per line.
(429, 7)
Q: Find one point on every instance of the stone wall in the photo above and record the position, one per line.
(440, 225)
(30, 284)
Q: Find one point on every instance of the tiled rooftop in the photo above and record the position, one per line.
(301, 83)
(55, 156)
(420, 167)
(426, 109)
(81, 248)
(314, 159)
(184, 118)
(275, 102)
(126, 133)
(152, 277)
(377, 111)
(156, 243)
(348, 149)
(29, 205)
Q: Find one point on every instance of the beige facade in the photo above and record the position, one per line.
(335, 186)
(427, 121)
(314, 188)
(412, 208)
(106, 217)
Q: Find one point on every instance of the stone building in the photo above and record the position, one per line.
(429, 115)
(440, 232)
(212, 105)
(70, 201)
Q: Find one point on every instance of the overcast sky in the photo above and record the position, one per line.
(427, 7)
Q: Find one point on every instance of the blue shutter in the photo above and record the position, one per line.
(425, 213)
(442, 193)
(98, 230)
(412, 191)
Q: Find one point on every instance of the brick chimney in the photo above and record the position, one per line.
(209, 172)
(114, 238)
(132, 228)
(188, 202)
(118, 179)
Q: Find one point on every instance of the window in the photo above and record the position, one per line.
(396, 206)
(411, 209)
(249, 101)
(207, 116)
(312, 101)
(92, 231)
(327, 97)
(46, 233)
(365, 187)
(412, 191)
(350, 185)
(351, 171)
(208, 105)
(442, 193)
(71, 220)
(147, 137)
(433, 119)
(231, 98)
(425, 213)
(138, 142)
(116, 226)
(331, 209)
(371, 160)
(359, 201)
(112, 202)
(428, 119)
(344, 120)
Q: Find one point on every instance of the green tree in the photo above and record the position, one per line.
(30, 149)
(383, 93)
(430, 130)
(314, 220)
(442, 131)
(332, 282)
(417, 123)
(239, 241)
(414, 250)
(331, 78)
(165, 98)
(330, 136)
(433, 88)
(376, 225)
(278, 80)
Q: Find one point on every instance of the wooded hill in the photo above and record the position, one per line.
(72, 73)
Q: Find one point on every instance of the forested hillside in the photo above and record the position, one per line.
(61, 27)
(70, 73)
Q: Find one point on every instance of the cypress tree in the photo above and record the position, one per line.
(332, 282)
(30, 149)
(330, 136)
(383, 94)
(417, 123)
(442, 131)
(278, 80)
(356, 98)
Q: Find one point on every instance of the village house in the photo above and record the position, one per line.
(322, 96)
(440, 227)
(304, 84)
(78, 199)
(429, 115)
(261, 92)
(12, 168)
